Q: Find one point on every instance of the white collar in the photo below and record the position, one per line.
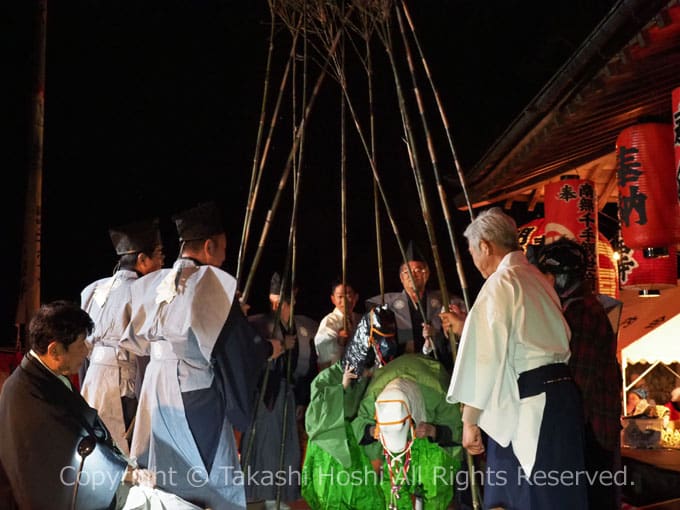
(62, 378)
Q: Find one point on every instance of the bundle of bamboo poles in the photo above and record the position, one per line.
(323, 35)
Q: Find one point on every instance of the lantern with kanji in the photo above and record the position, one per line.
(643, 273)
(647, 184)
(676, 138)
(531, 233)
(571, 211)
(534, 233)
(607, 271)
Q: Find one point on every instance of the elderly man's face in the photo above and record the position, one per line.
(481, 256)
(420, 273)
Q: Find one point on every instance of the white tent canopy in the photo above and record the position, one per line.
(649, 331)
(661, 344)
(650, 328)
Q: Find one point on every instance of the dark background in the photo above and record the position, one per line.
(153, 106)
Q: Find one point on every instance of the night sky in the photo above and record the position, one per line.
(153, 106)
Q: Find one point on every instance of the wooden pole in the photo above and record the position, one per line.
(29, 286)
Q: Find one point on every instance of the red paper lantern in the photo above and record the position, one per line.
(571, 211)
(647, 186)
(676, 141)
(638, 272)
(533, 233)
(607, 274)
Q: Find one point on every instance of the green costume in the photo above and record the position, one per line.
(432, 468)
(336, 473)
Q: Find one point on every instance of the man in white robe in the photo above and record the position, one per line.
(205, 361)
(113, 378)
(336, 328)
(511, 375)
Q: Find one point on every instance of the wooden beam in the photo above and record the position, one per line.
(603, 198)
(533, 200)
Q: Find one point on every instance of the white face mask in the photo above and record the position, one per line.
(393, 419)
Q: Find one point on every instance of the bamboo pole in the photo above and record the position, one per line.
(442, 115)
(293, 160)
(292, 245)
(376, 178)
(329, 13)
(425, 209)
(343, 198)
(260, 160)
(378, 242)
(371, 122)
(438, 180)
(277, 314)
(284, 177)
(343, 84)
(452, 338)
(256, 156)
(419, 181)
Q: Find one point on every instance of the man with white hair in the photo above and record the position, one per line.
(511, 375)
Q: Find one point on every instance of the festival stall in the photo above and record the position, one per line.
(650, 328)
(648, 333)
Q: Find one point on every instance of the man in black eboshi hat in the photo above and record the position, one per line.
(205, 362)
(111, 381)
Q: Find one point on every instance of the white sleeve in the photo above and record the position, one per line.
(326, 339)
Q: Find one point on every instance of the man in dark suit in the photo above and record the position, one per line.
(55, 450)
(417, 309)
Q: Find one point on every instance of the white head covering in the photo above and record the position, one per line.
(399, 402)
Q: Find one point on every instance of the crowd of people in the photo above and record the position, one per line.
(192, 402)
